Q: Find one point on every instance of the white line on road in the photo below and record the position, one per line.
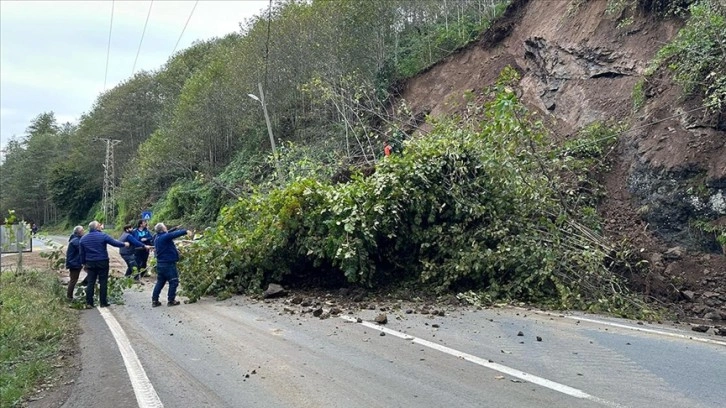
(555, 386)
(146, 395)
(643, 329)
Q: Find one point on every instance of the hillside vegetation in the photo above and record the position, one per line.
(508, 137)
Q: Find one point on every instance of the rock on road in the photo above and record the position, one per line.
(248, 353)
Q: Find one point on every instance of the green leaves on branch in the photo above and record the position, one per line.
(697, 55)
(469, 205)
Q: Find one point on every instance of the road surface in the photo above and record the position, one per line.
(246, 353)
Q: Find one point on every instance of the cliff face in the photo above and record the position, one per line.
(668, 169)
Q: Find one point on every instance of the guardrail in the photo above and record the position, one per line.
(15, 238)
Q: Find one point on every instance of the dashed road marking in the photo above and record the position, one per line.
(646, 330)
(543, 382)
(146, 395)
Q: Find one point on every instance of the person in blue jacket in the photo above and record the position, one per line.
(166, 259)
(141, 255)
(73, 259)
(128, 253)
(94, 255)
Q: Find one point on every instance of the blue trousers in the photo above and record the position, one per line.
(130, 260)
(166, 272)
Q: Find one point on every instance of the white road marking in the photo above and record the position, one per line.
(146, 395)
(645, 330)
(543, 382)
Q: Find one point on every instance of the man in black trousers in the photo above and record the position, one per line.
(94, 255)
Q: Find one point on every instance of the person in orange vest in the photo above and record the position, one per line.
(387, 149)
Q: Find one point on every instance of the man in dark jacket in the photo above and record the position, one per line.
(143, 235)
(128, 253)
(166, 259)
(94, 255)
(73, 259)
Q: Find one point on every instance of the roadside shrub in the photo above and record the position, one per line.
(36, 325)
(697, 55)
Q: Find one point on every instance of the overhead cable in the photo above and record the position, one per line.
(108, 49)
(267, 42)
(185, 27)
(133, 69)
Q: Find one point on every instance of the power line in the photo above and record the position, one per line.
(108, 49)
(133, 69)
(185, 26)
(267, 42)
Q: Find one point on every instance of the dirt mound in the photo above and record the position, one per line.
(579, 67)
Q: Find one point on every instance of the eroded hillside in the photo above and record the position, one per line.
(668, 169)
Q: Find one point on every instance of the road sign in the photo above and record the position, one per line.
(146, 215)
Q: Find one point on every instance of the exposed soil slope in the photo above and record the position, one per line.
(578, 67)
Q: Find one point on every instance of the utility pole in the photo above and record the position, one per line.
(261, 100)
(109, 182)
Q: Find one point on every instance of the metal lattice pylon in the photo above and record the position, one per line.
(109, 182)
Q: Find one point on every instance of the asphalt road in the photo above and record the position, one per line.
(245, 353)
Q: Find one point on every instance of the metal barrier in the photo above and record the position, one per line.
(15, 238)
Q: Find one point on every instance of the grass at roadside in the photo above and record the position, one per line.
(35, 324)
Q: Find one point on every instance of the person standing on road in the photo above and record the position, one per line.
(166, 259)
(94, 255)
(128, 253)
(141, 255)
(73, 259)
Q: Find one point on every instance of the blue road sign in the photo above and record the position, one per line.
(146, 215)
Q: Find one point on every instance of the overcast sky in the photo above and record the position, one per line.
(53, 53)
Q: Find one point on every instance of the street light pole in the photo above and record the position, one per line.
(261, 100)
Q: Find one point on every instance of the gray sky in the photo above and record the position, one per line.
(53, 53)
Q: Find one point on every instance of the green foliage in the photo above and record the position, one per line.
(72, 189)
(578, 162)
(36, 325)
(467, 205)
(697, 55)
(712, 232)
(422, 47)
(25, 167)
(192, 202)
(638, 95)
(625, 10)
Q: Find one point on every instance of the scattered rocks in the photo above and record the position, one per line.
(700, 328)
(382, 318)
(688, 295)
(674, 253)
(274, 290)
